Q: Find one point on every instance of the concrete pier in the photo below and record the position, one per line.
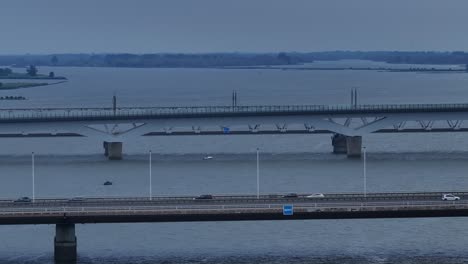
(65, 243)
(354, 146)
(339, 144)
(113, 150)
(348, 145)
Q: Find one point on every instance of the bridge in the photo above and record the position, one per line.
(347, 123)
(65, 213)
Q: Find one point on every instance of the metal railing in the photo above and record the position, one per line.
(72, 114)
(181, 209)
(229, 200)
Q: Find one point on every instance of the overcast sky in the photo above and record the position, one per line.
(150, 26)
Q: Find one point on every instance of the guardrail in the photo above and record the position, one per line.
(232, 199)
(216, 208)
(72, 114)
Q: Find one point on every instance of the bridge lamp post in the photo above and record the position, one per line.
(258, 174)
(364, 171)
(33, 177)
(150, 178)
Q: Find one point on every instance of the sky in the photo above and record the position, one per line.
(199, 26)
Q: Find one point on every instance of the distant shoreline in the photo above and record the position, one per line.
(386, 69)
(16, 76)
(14, 86)
(231, 59)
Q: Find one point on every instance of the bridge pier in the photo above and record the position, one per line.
(113, 150)
(354, 146)
(349, 145)
(65, 243)
(339, 144)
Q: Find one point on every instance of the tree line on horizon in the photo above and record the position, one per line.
(31, 71)
(175, 60)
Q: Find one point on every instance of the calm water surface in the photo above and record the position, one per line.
(303, 163)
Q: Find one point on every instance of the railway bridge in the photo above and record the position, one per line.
(346, 123)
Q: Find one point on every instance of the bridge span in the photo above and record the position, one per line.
(347, 123)
(65, 213)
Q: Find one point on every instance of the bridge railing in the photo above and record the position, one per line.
(224, 208)
(223, 198)
(194, 111)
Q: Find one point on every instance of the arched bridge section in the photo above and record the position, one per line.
(347, 123)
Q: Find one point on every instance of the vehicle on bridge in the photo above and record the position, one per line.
(450, 197)
(290, 195)
(316, 195)
(204, 197)
(77, 199)
(23, 200)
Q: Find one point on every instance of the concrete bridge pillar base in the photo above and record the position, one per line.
(65, 243)
(339, 144)
(351, 146)
(354, 146)
(113, 150)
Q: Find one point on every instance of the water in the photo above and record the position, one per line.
(303, 163)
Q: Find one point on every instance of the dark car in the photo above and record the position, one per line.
(23, 200)
(204, 197)
(290, 195)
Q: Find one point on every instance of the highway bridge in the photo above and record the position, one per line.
(65, 213)
(347, 123)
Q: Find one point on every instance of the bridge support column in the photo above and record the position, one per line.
(339, 144)
(113, 150)
(354, 146)
(65, 242)
(348, 145)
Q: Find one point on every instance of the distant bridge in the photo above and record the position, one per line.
(66, 213)
(347, 123)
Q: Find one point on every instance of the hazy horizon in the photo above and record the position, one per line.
(225, 52)
(214, 26)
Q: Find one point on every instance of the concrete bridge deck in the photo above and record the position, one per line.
(132, 113)
(229, 208)
(348, 123)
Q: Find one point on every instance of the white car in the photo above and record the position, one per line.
(450, 197)
(316, 195)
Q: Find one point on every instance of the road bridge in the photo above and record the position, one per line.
(346, 123)
(65, 213)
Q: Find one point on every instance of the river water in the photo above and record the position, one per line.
(289, 163)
